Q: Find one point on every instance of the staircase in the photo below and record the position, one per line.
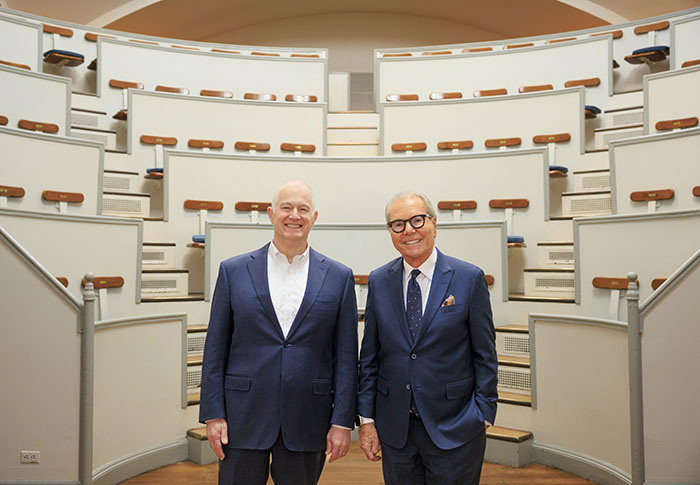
(353, 134)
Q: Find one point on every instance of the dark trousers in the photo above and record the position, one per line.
(252, 467)
(420, 462)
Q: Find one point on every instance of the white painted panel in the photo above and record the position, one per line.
(45, 162)
(36, 97)
(671, 96)
(685, 41)
(656, 162)
(20, 42)
(71, 246)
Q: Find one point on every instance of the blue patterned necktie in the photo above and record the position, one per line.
(414, 304)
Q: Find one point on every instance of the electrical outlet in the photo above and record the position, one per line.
(29, 456)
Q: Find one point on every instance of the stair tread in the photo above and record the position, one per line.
(514, 361)
(160, 299)
(513, 328)
(192, 397)
(195, 360)
(553, 299)
(201, 433)
(513, 398)
(497, 432)
(194, 328)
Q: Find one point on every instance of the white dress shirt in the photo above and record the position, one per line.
(423, 279)
(287, 283)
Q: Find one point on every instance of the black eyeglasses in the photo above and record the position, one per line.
(416, 222)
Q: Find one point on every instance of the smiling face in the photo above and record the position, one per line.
(292, 216)
(415, 245)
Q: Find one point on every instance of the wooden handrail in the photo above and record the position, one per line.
(158, 140)
(409, 147)
(656, 282)
(14, 64)
(643, 29)
(269, 54)
(452, 95)
(480, 93)
(216, 94)
(647, 195)
(196, 143)
(187, 47)
(694, 62)
(448, 205)
(557, 138)
(518, 46)
(38, 126)
(361, 279)
(532, 89)
(301, 98)
(171, 89)
(489, 279)
(674, 124)
(451, 145)
(696, 191)
(397, 54)
(116, 83)
(3, 120)
(100, 282)
(252, 206)
(469, 50)
(297, 147)
(224, 51)
(308, 56)
(509, 203)
(62, 31)
(556, 41)
(10, 191)
(402, 97)
(248, 145)
(616, 34)
(92, 37)
(63, 280)
(503, 142)
(147, 42)
(588, 83)
(260, 96)
(609, 283)
(436, 53)
(57, 196)
(209, 205)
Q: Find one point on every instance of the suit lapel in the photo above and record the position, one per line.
(317, 274)
(438, 289)
(396, 296)
(257, 268)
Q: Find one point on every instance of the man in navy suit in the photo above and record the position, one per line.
(279, 376)
(428, 365)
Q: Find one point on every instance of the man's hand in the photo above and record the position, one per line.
(337, 443)
(217, 433)
(369, 442)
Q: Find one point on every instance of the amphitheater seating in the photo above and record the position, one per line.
(212, 93)
(662, 101)
(171, 89)
(676, 124)
(509, 205)
(253, 208)
(202, 207)
(685, 49)
(252, 146)
(205, 145)
(456, 206)
(20, 42)
(58, 56)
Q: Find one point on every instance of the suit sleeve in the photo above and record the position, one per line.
(369, 361)
(484, 358)
(345, 358)
(216, 349)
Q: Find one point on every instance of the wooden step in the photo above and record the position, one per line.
(164, 299)
(514, 361)
(544, 299)
(513, 398)
(195, 360)
(192, 397)
(194, 328)
(513, 328)
(201, 433)
(493, 432)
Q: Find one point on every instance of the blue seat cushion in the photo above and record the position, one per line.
(516, 239)
(663, 48)
(593, 109)
(561, 168)
(64, 53)
(198, 238)
(152, 170)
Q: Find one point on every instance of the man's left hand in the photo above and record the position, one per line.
(337, 443)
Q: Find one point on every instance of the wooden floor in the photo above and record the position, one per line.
(354, 469)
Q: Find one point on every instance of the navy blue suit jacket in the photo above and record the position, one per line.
(451, 368)
(262, 382)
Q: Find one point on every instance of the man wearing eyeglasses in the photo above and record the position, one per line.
(428, 365)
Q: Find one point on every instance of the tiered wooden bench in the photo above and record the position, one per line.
(509, 205)
(203, 207)
(58, 56)
(124, 86)
(555, 169)
(158, 142)
(654, 53)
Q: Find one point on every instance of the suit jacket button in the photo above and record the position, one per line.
(285, 345)
(408, 387)
(414, 356)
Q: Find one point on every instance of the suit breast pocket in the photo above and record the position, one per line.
(450, 309)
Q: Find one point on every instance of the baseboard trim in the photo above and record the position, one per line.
(584, 466)
(129, 466)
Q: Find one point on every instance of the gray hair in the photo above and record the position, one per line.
(296, 181)
(429, 209)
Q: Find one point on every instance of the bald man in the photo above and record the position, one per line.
(279, 377)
